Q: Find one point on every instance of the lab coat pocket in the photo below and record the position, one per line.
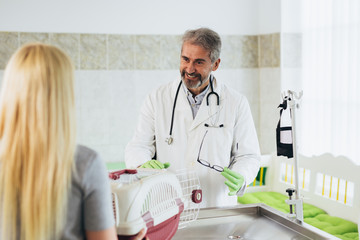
(219, 142)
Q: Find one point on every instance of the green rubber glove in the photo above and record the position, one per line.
(155, 164)
(234, 181)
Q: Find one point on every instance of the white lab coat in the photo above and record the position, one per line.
(236, 140)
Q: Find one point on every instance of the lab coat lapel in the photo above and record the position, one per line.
(203, 114)
(183, 106)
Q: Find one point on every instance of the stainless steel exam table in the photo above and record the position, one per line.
(248, 222)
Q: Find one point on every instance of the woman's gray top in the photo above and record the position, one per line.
(90, 204)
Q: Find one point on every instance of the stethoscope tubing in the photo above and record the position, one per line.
(173, 110)
(169, 140)
(212, 92)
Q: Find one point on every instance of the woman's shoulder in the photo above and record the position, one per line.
(86, 159)
(84, 153)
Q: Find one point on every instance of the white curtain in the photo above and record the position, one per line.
(330, 113)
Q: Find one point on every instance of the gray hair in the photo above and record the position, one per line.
(206, 38)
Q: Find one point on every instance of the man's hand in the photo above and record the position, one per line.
(155, 164)
(234, 181)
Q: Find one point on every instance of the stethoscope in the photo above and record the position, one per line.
(170, 139)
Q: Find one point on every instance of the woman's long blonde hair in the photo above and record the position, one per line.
(37, 142)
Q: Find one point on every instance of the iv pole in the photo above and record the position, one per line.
(292, 99)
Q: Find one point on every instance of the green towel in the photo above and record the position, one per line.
(115, 165)
(314, 216)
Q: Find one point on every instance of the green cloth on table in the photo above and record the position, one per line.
(314, 216)
(115, 165)
(332, 225)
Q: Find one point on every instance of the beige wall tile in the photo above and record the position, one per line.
(121, 52)
(147, 52)
(239, 52)
(276, 49)
(230, 52)
(28, 37)
(69, 43)
(291, 47)
(93, 52)
(8, 45)
(170, 51)
(265, 50)
(249, 52)
(151, 52)
(269, 48)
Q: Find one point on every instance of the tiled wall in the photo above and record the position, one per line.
(279, 71)
(269, 89)
(133, 52)
(103, 51)
(115, 72)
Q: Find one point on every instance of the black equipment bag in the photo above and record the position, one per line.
(284, 141)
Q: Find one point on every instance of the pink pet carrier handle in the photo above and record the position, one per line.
(166, 229)
(196, 196)
(116, 175)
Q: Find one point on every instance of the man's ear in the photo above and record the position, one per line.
(216, 64)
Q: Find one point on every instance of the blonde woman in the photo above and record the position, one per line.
(49, 187)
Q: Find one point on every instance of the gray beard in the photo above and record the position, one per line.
(192, 84)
